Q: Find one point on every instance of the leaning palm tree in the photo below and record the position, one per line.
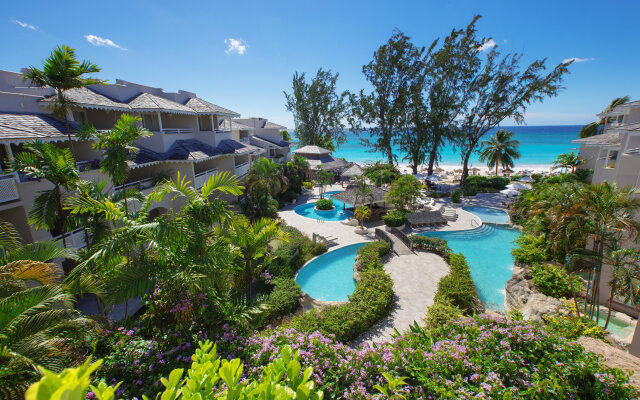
(595, 128)
(500, 149)
(44, 160)
(611, 213)
(62, 71)
(567, 160)
(252, 240)
(117, 147)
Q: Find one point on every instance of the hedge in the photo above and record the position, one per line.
(371, 300)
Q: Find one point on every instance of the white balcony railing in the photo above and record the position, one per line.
(203, 177)
(8, 189)
(73, 240)
(222, 130)
(177, 131)
(244, 140)
(242, 169)
(140, 185)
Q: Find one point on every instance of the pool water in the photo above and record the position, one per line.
(329, 277)
(489, 214)
(337, 214)
(617, 327)
(488, 253)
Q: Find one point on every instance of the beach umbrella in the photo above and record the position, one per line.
(509, 192)
(517, 186)
(434, 178)
(526, 179)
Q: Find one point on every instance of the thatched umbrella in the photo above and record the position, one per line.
(351, 193)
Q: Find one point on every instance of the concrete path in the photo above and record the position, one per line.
(415, 281)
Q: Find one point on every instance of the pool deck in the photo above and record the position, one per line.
(415, 275)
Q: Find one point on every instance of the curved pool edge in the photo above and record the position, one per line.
(493, 208)
(312, 299)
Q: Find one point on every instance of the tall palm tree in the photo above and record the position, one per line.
(117, 147)
(595, 128)
(611, 212)
(500, 149)
(625, 264)
(265, 176)
(252, 240)
(44, 160)
(62, 71)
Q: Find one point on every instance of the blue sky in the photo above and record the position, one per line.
(242, 54)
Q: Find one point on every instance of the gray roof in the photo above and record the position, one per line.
(239, 126)
(150, 102)
(349, 196)
(327, 163)
(87, 98)
(312, 150)
(279, 143)
(20, 127)
(204, 107)
(629, 127)
(191, 149)
(608, 139)
(271, 125)
(352, 171)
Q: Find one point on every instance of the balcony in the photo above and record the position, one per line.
(244, 140)
(73, 240)
(202, 177)
(139, 185)
(177, 131)
(8, 189)
(223, 130)
(242, 169)
(88, 165)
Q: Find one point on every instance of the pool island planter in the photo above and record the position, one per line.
(329, 210)
(361, 230)
(388, 228)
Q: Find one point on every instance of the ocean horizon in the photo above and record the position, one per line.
(539, 147)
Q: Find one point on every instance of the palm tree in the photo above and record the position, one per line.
(266, 177)
(595, 128)
(610, 211)
(44, 160)
(252, 240)
(62, 71)
(500, 149)
(117, 147)
(362, 214)
(566, 161)
(625, 264)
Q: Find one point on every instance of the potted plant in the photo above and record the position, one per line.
(395, 219)
(324, 205)
(362, 213)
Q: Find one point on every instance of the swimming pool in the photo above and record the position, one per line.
(488, 253)
(489, 214)
(329, 277)
(337, 214)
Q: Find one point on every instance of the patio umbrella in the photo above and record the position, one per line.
(526, 179)
(434, 178)
(517, 186)
(509, 192)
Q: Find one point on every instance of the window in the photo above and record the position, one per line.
(204, 123)
(80, 117)
(150, 122)
(611, 159)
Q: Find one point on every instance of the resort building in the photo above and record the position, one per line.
(614, 156)
(190, 136)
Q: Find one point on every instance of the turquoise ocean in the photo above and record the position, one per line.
(539, 146)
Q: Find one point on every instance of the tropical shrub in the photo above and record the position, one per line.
(307, 185)
(530, 249)
(438, 195)
(470, 190)
(381, 174)
(404, 192)
(291, 255)
(573, 327)
(440, 313)
(435, 245)
(208, 377)
(324, 204)
(362, 214)
(371, 300)
(456, 196)
(283, 298)
(394, 218)
(487, 182)
(552, 280)
(457, 287)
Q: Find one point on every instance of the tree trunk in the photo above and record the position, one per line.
(433, 154)
(465, 168)
(573, 293)
(586, 294)
(414, 167)
(613, 289)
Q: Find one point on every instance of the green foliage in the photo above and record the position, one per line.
(209, 377)
(371, 300)
(567, 161)
(394, 218)
(440, 313)
(318, 110)
(283, 298)
(290, 256)
(307, 185)
(573, 327)
(484, 182)
(457, 287)
(404, 192)
(530, 249)
(552, 280)
(435, 245)
(470, 190)
(324, 204)
(322, 179)
(380, 173)
(500, 150)
(456, 196)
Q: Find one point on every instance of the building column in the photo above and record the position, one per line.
(160, 121)
(213, 128)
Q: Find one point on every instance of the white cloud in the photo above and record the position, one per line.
(235, 46)
(103, 42)
(488, 45)
(577, 60)
(25, 25)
